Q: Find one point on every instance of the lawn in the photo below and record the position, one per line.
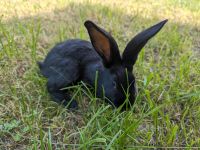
(166, 112)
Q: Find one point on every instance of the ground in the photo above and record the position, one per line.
(166, 112)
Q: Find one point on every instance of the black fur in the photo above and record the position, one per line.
(78, 60)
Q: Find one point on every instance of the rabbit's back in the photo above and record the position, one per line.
(72, 60)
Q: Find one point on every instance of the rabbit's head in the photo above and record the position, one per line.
(117, 79)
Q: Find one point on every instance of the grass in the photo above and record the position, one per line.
(166, 112)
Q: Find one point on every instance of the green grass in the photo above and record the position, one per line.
(166, 112)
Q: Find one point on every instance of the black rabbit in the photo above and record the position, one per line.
(78, 60)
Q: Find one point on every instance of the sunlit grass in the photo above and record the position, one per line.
(166, 112)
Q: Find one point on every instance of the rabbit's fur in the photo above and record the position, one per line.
(78, 60)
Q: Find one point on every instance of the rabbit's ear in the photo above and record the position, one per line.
(104, 44)
(133, 48)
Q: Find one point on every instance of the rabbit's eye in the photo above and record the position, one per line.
(114, 84)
